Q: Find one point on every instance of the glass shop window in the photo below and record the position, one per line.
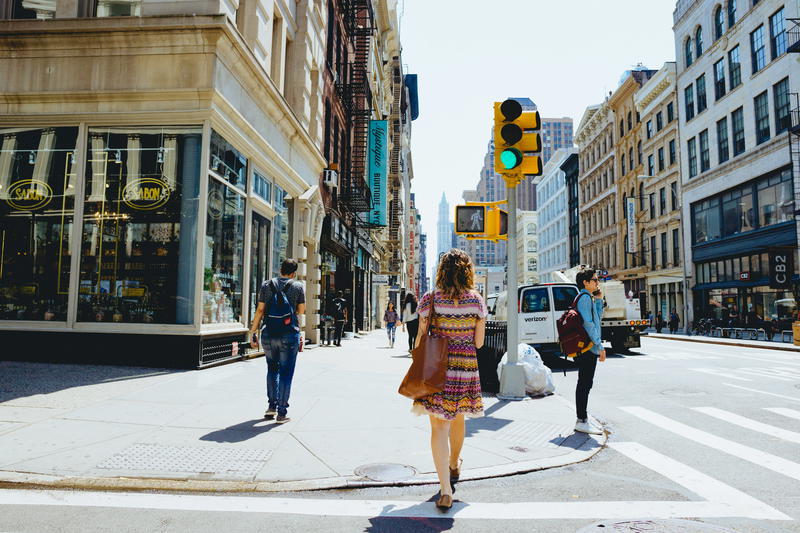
(262, 186)
(228, 163)
(139, 237)
(775, 199)
(119, 8)
(280, 239)
(37, 199)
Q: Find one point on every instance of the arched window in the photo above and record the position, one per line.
(621, 128)
(531, 229)
(731, 13)
(532, 265)
(630, 122)
(687, 49)
(639, 148)
(630, 157)
(531, 246)
(698, 41)
(641, 197)
(719, 23)
(622, 165)
(624, 203)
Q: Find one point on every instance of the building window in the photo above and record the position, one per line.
(622, 165)
(670, 112)
(124, 8)
(280, 238)
(731, 13)
(687, 51)
(649, 128)
(661, 159)
(775, 199)
(691, 146)
(262, 186)
(780, 95)
(139, 242)
(672, 154)
(723, 149)
(761, 105)
(650, 165)
(777, 34)
(719, 23)
(639, 151)
(701, 93)
(737, 119)
(653, 252)
(705, 158)
(659, 121)
(719, 79)
(673, 188)
(706, 220)
(698, 41)
(758, 56)
(621, 128)
(662, 200)
(652, 204)
(737, 211)
(688, 98)
(630, 122)
(676, 247)
(735, 67)
(663, 250)
(37, 199)
(641, 197)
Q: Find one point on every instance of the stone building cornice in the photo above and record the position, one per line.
(587, 131)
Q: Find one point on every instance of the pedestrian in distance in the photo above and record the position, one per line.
(459, 314)
(590, 307)
(673, 321)
(392, 319)
(411, 319)
(340, 316)
(283, 299)
(659, 322)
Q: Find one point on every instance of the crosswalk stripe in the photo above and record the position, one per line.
(758, 457)
(718, 372)
(793, 398)
(791, 413)
(747, 423)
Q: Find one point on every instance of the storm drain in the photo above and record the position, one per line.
(656, 526)
(385, 472)
(167, 459)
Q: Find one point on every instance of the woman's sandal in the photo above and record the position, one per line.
(445, 502)
(455, 473)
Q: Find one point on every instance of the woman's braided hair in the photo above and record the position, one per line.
(455, 274)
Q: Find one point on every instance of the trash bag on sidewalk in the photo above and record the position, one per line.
(538, 378)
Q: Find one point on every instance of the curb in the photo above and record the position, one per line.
(22, 480)
(722, 342)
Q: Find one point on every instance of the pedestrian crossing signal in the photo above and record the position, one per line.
(470, 219)
(482, 221)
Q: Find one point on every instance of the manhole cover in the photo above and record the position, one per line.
(683, 393)
(656, 526)
(385, 472)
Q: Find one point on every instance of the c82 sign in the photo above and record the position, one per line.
(781, 268)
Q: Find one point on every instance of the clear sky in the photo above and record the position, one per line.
(563, 54)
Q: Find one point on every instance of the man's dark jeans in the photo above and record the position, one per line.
(281, 354)
(587, 363)
(337, 339)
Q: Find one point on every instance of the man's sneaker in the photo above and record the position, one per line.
(270, 414)
(282, 419)
(584, 426)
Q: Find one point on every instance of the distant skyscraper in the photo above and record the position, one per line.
(444, 229)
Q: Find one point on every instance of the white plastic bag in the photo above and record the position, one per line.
(538, 378)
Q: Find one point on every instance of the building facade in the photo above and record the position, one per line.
(739, 193)
(571, 169)
(444, 229)
(660, 218)
(551, 189)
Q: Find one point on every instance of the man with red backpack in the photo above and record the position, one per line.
(590, 307)
(283, 299)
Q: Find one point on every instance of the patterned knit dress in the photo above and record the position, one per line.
(456, 322)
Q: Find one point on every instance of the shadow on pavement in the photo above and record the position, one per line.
(22, 379)
(386, 523)
(576, 441)
(240, 432)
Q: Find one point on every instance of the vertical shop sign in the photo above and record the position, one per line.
(378, 170)
(630, 210)
(781, 268)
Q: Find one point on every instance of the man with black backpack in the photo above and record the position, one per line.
(340, 314)
(283, 299)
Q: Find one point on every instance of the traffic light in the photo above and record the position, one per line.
(479, 220)
(497, 222)
(516, 139)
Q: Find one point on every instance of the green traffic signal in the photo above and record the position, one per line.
(511, 158)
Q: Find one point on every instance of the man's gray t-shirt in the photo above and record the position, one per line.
(294, 290)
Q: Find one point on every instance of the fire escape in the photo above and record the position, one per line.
(794, 120)
(354, 90)
(395, 178)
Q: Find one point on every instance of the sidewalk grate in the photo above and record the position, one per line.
(197, 460)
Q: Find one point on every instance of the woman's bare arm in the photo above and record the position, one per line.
(480, 332)
(423, 328)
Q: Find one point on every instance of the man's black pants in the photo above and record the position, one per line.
(337, 338)
(587, 363)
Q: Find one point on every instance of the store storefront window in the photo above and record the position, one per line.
(737, 211)
(280, 240)
(37, 199)
(140, 225)
(775, 199)
(228, 162)
(224, 254)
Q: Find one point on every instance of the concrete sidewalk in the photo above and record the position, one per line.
(139, 428)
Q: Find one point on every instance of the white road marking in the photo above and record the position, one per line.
(775, 372)
(716, 372)
(723, 501)
(793, 398)
(772, 357)
(753, 455)
(791, 413)
(747, 423)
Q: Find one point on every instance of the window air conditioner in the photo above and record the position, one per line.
(330, 178)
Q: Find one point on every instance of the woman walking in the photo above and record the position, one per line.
(459, 314)
(411, 319)
(391, 319)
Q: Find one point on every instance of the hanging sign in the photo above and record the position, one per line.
(378, 155)
(29, 195)
(630, 210)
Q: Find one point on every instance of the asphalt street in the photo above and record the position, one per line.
(701, 432)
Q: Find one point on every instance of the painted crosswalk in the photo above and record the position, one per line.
(791, 413)
(747, 423)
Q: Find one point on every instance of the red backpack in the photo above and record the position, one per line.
(572, 336)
